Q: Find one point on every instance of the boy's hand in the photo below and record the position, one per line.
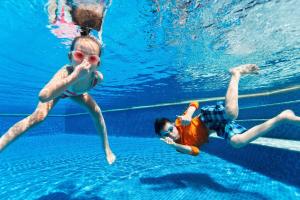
(168, 140)
(185, 119)
(110, 157)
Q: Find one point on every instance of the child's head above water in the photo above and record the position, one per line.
(85, 47)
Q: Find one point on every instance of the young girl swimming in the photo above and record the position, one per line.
(71, 81)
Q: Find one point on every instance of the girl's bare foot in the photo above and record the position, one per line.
(110, 157)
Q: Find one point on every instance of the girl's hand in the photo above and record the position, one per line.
(185, 119)
(83, 69)
(99, 76)
(110, 157)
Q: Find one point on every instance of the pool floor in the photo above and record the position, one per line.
(66, 166)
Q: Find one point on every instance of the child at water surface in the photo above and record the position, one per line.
(65, 16)
(188, 134)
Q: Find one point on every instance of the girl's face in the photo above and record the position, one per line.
(85, 49)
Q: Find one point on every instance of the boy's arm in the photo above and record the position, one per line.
(191, 150)
(192, 108)
(186, 149)
(186, 118)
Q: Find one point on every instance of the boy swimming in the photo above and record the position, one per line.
(188, 134)
(72, 81)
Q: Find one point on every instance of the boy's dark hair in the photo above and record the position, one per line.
(159, 124)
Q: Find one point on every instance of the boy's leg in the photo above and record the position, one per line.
(20, 127)
(90, 104)
(231, 98)
(252, 134)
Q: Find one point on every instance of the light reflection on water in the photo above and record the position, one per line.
(170, 49)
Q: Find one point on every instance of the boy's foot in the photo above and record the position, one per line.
(245, 69)
(289, 116)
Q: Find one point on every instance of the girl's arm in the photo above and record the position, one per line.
(62, 80)
(57, 85)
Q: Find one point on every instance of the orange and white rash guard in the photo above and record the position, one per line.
(193, 135)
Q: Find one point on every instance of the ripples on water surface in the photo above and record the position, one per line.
(158, 51)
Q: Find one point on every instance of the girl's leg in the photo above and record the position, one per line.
(88, 103)
(20, 127)
(231, 98)
(252, 134)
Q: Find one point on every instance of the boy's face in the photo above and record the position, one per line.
(169, 130)
(85, 50)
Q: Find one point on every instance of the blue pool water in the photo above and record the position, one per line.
(158, 56)
(73, 167)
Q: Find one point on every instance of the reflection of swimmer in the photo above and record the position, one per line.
(64, 15)
(188, 134)
(179, 8)
(72, 81)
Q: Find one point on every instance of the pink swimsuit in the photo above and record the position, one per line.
(63, 27)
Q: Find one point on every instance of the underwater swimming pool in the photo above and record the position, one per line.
(158, 55)
(67, 166)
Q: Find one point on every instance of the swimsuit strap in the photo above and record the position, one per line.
(70, 69)
(62, 15)
(71, 93)
(95, 81)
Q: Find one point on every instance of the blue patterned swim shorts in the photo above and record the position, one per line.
(214, 117)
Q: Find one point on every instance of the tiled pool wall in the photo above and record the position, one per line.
(139, 122)
(11, 114)
(51, 125)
